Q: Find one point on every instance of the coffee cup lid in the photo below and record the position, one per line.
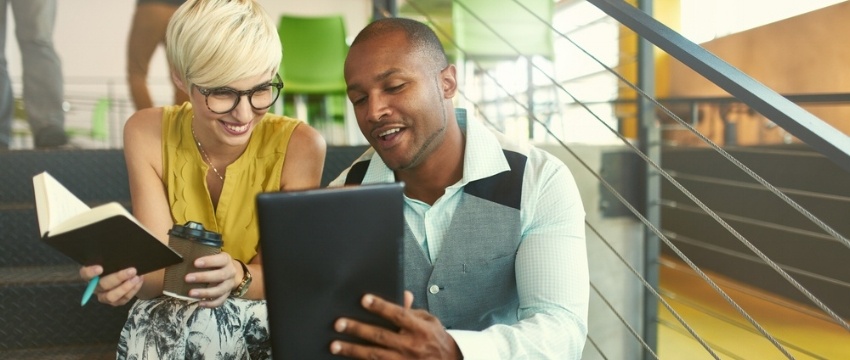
(195, 231)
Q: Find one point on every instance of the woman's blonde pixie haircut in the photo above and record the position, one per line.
(212, 43)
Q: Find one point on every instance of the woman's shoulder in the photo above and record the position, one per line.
(144, 123)
(272, 122)
(299, 133)
(281, 134)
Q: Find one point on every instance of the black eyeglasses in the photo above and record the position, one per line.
(224, 99)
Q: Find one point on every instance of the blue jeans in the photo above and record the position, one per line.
(43, 82)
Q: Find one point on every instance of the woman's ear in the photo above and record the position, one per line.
(179, 82)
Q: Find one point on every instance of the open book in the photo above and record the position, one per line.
(107, 235)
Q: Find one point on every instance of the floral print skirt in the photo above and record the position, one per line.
(169, 328)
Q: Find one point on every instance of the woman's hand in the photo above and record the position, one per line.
(115, 289)
(220, 274)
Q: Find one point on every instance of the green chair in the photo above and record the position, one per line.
(100, 120)
(314, 51)
(494, 31)
(99, 129)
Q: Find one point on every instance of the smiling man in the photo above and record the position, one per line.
(495, 263)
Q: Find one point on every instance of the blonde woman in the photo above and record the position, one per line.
(205, 161)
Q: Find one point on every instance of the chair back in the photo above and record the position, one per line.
(314, 51)
(100, 120)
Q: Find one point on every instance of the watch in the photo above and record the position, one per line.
(242, 288)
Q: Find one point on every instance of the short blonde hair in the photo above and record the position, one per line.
(211, 43)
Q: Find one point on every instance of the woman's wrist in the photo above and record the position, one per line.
(239, 274)
(243, 283)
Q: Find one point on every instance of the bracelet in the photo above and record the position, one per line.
(242, 288)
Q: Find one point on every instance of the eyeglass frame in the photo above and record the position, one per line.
(240, 93)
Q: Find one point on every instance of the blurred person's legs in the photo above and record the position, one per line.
(146, 33)
(7, 101)
(43, 82)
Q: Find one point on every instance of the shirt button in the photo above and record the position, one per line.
(434, 289)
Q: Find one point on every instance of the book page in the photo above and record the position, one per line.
(54, 203)
(92, 216)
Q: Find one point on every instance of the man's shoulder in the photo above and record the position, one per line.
(355, 172)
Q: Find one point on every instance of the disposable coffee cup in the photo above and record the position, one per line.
(191, 241)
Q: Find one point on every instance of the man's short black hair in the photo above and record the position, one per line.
(421, 37)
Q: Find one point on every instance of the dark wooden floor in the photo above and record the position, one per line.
(802, 330)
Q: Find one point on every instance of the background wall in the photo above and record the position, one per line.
(805, 54)
(91, 36)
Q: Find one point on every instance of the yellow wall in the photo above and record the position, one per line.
(809, 53)
(669, 13)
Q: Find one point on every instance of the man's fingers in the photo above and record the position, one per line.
(371, 333)
(357, 351)
(402, 317)
(408, 299)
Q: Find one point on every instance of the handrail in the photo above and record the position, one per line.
(798, 98)
(808, 128)
(820, 98)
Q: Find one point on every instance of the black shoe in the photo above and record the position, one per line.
(50, 137)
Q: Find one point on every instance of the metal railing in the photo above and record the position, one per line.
(781, 110)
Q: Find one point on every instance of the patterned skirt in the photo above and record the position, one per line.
(169, 328)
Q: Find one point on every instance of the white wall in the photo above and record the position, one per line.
(91, 38)
(608, 274)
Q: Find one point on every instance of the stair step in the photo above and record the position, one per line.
(83, 352)
(40, 313)
(20, 244)
(41, 308)
(92, 175)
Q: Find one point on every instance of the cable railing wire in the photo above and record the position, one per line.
(654, 292)
(742, 184)
(747, 220)
(640, 216)
(687, 193)
(720, 349)
(623, 320)
(702, 137)
(762, 295)
(595, 346)
(728, 156)
(650, 226)
(716, 315)
(708, 246)
(623, 260)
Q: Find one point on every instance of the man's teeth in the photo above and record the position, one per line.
(391, 131)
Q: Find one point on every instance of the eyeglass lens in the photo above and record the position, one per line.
(224, 100)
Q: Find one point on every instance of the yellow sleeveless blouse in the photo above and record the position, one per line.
(256, 170)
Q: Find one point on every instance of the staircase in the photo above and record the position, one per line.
(814, 259)
(40, 291)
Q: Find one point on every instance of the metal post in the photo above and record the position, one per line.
(529, 93)
(384, 9)
(650, 144)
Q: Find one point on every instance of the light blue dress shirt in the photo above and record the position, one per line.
(551, 264)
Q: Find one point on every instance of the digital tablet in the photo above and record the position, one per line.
(322, 250)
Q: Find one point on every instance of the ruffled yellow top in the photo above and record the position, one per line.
(256, 170)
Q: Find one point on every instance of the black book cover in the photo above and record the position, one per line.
(115, 243)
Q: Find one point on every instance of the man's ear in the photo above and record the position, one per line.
(179, 82)
(448, 80)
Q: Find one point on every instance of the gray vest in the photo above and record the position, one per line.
(472, 284)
